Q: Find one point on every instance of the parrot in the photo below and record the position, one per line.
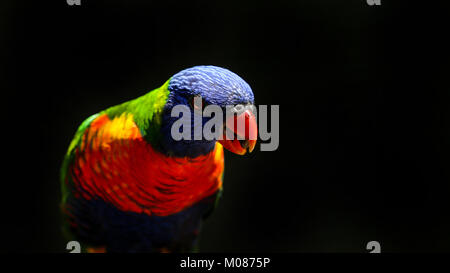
(128, 186)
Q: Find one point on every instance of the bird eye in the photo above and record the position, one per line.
(197, 103)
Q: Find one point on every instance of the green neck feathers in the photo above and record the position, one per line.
(146, 111)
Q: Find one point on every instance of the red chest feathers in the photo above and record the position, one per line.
(114, 163)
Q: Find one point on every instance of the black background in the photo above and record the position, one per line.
(363, 94)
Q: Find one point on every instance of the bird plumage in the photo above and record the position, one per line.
(126, 187)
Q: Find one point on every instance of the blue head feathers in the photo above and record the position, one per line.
(216, 85)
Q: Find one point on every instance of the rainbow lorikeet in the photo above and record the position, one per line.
(128, 186)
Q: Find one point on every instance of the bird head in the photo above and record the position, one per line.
(200, 86)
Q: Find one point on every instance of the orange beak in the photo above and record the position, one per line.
(240, 133)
